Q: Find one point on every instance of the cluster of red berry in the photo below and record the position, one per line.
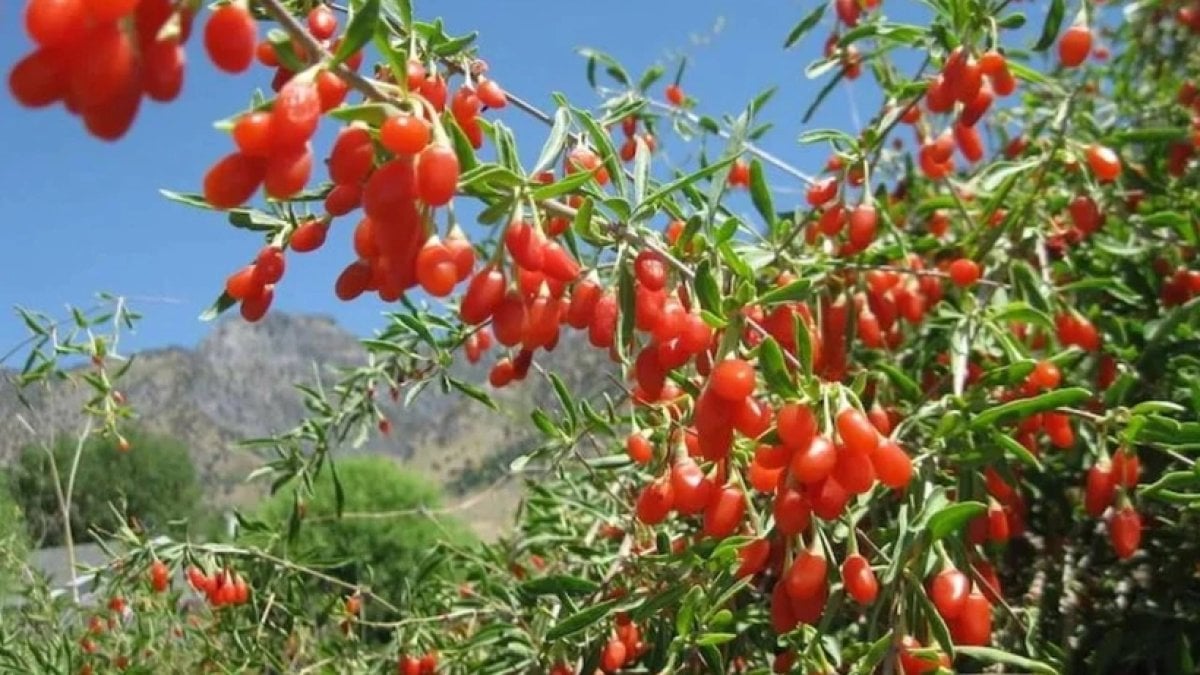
(425, 664)
(100, 57)
(222, 587)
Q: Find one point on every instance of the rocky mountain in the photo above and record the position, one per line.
(238, 383)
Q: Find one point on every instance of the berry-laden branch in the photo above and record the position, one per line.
(707, 544)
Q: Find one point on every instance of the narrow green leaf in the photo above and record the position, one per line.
(937, 625)
(806, 24)
(775, 370)
(760, 194)
(735, 261)
(604, 147)
(474, 392)
(222, 303)
(191, 199)
(1012, 21)
(360, 30)
(1029, 285)
(580, 620)
(403, 11)
(796, 290)
(562, 186)
(1170, 480)
(1024, 72)
(1147, 135)
(641, 170)
(558, 585)
(998, 656)
(827, 135)
(821, 95)
(555, 142)
(952, 518)
(564, 398)
(652, 75)
(1028, 406)
(707, 290)
(908, 387)
(626, 295)
(664, 190)
(710, 639)
(1054, 19)
(1011, 446)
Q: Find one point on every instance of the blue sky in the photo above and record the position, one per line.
(85, 216)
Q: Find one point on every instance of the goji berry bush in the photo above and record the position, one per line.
(941, 414)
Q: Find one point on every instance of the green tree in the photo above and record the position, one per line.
(152, 483)
(388, 523)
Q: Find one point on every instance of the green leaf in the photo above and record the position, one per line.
(611, 66)
(403, 10)
(707, 290)
(735, 261)
(937, 625)
(993, 175)
(1054, 19)
(797, 290)
(562, 186)
(891, 32)
(641, 170)
(285, 52)
(473, 391)
(627, 297)
(360, 30)
(806, 24)
(1024, 72)
(564, 398)
(652, 75)
(580, 620)
(1028, 406)
(657, 603)
(1022, 663)
(804, 351)
(1151, 407)
(774, 369)
(371, 113)
(685, 618)
(453, 46)
(1147, 135)
(663, 190)
(829, 135)
(1023, 312)
(1012, 446)
(255, 220)
(222, 303)
(709, 639)
(462, 147)
(1029, 285)
(1173, 479)
(952, 518)
(908, 387)
(821, 95)
(558, 585)
(1012, 21)
(555, 142)
(760, 194)
(1166, 327)
(604, 147)
(191, 199)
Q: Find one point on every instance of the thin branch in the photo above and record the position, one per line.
(750, 147)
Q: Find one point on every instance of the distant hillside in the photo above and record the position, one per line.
(237, 384)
